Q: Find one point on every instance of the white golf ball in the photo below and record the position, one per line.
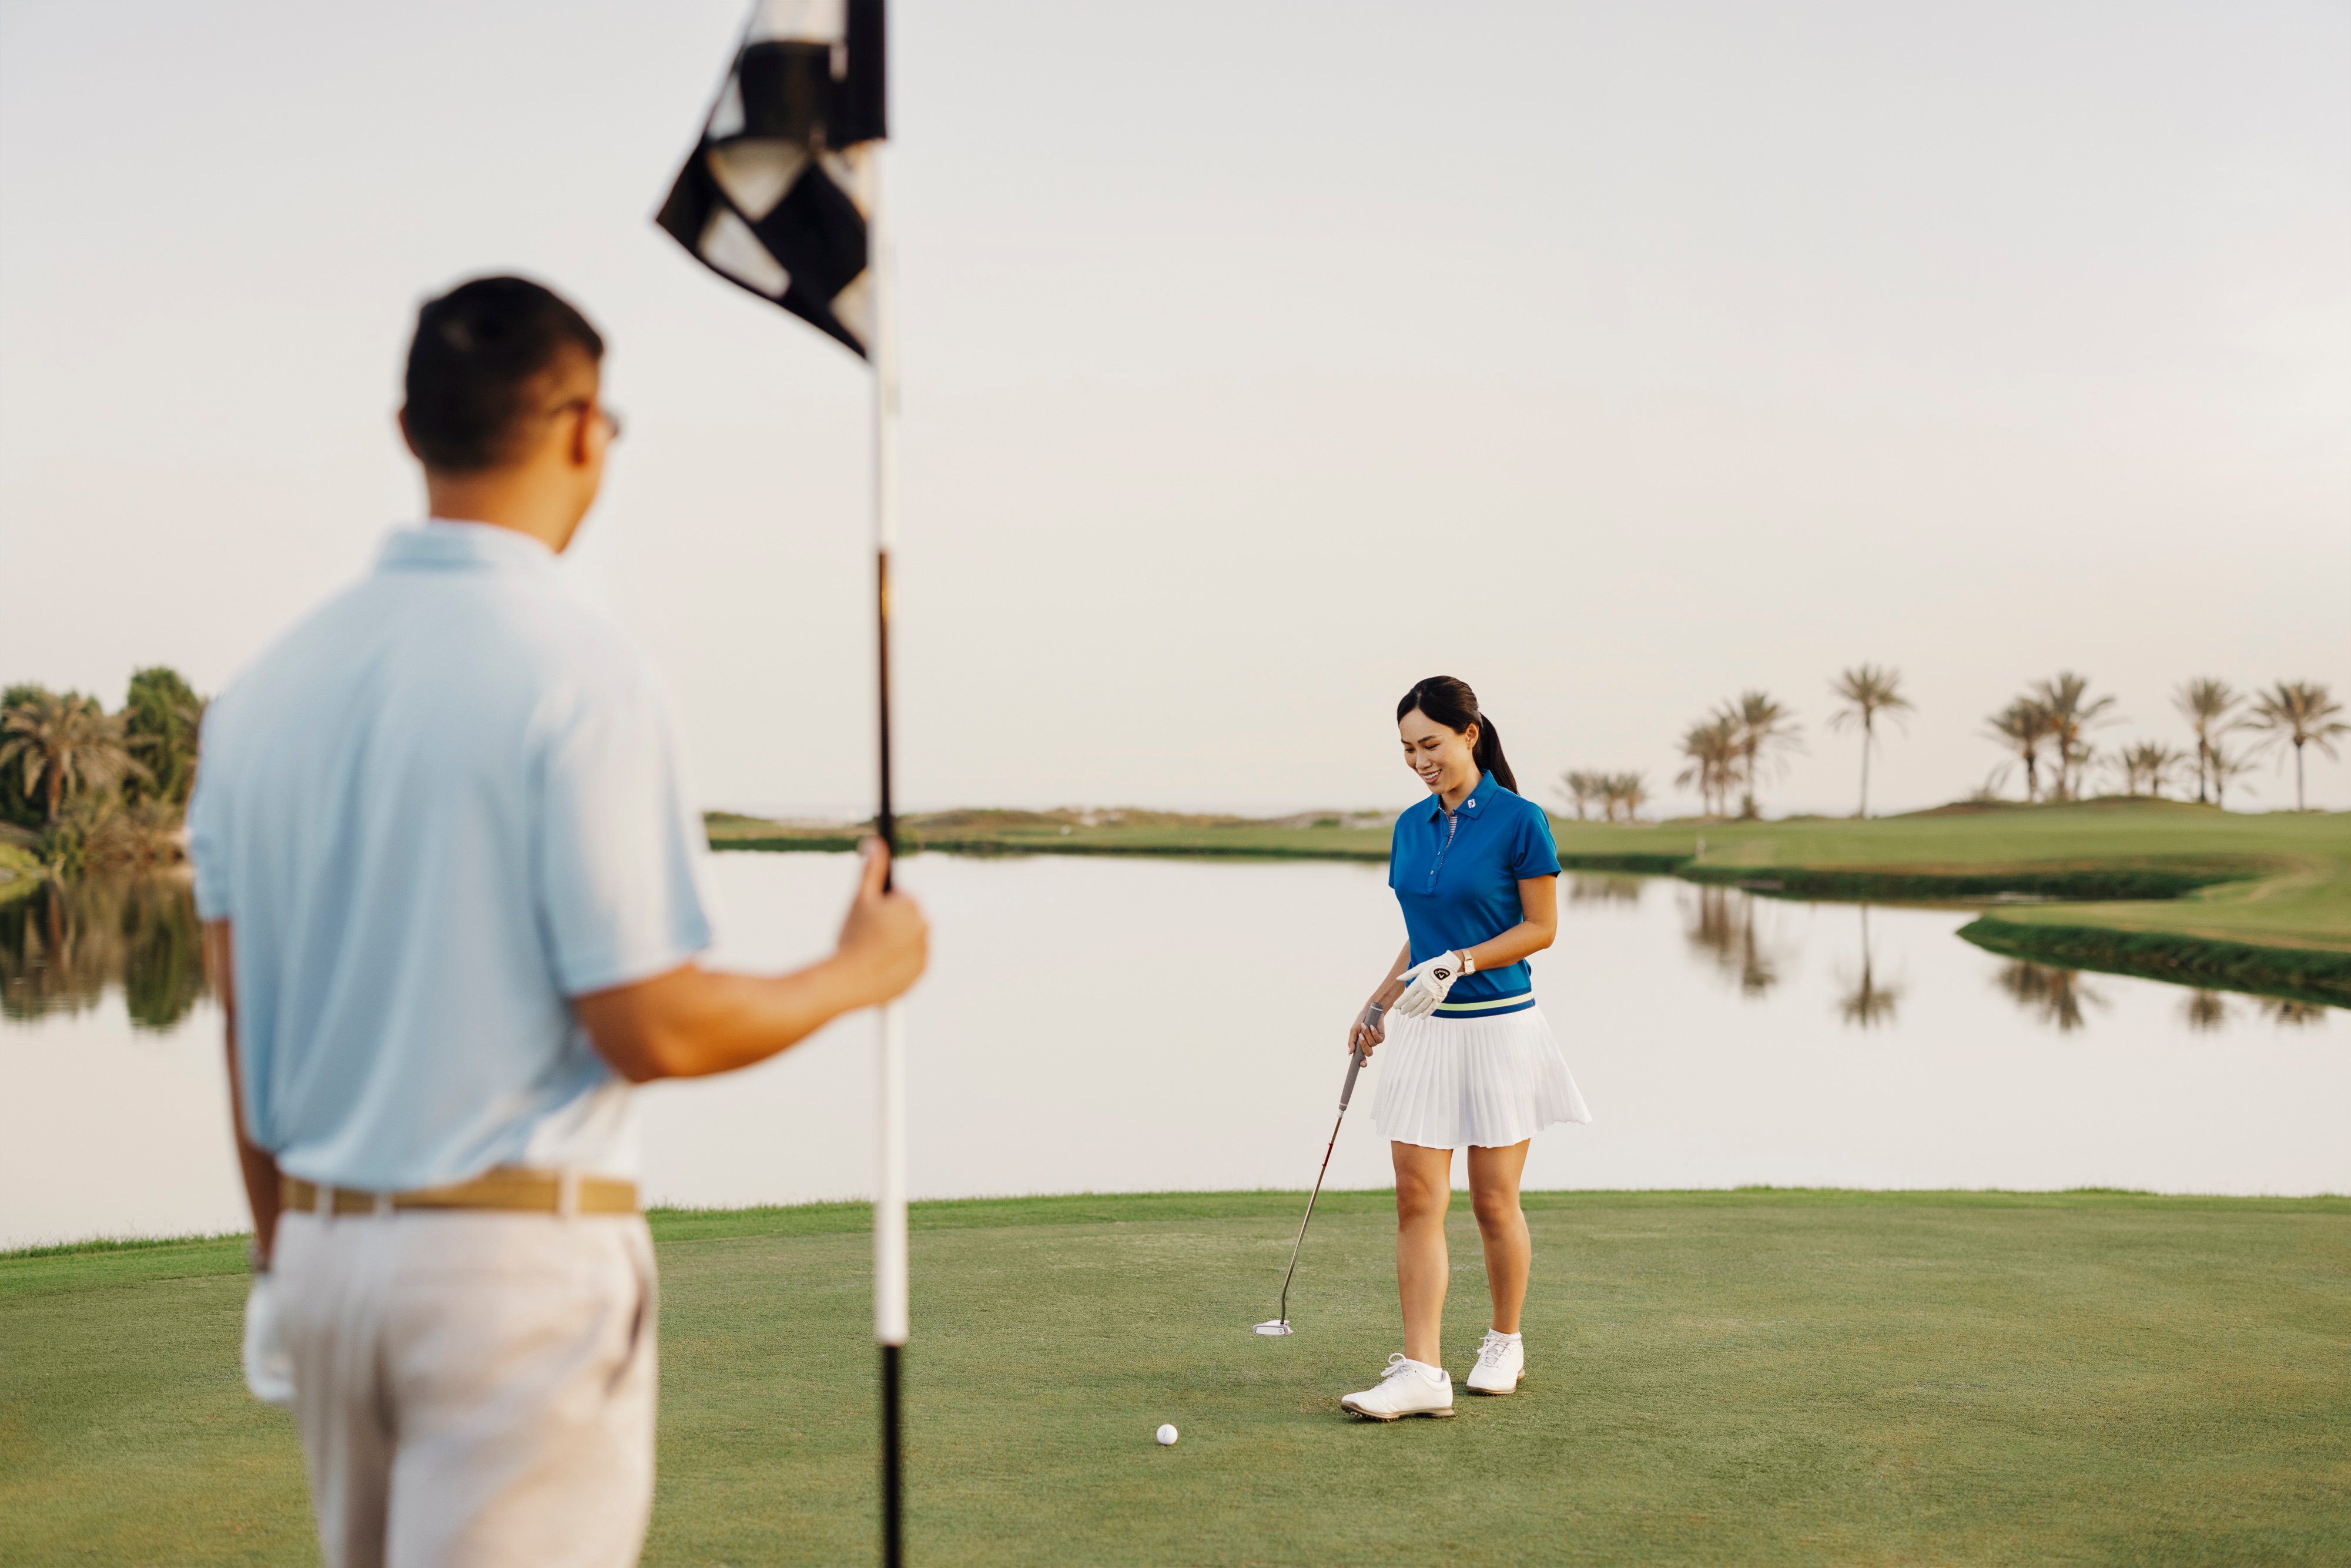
(1167, 1435)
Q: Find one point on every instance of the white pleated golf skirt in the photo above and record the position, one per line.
(1454, 1083)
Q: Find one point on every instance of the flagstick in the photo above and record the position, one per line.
(890, 1186)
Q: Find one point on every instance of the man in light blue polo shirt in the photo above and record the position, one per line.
(448, 875)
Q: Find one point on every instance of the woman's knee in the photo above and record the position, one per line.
(1495, 1208)
(1420, 1198)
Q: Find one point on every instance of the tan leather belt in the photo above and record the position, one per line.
(508, 1188)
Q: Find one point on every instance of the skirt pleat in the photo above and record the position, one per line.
(1455, 1082)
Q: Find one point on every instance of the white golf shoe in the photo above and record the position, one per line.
(1501, 1362)
(1406, 1388)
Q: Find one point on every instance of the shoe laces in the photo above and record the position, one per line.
(1397, 1362)
(1496, 1347)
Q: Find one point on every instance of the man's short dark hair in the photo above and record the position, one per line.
(475, 369)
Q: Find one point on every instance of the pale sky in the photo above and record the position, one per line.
(1260, 359)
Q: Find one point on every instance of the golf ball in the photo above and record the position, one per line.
(1167, 1435)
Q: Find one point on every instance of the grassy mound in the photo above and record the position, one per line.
(1754, 1377)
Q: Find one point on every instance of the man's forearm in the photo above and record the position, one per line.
(264, 1193)
(692, 1022)
(255, 1164)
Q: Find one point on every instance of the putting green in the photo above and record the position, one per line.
(1750, 1377)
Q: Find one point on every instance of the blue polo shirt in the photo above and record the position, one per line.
(436, 812)
(1458, 878)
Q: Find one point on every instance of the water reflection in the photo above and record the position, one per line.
(2206, 1012)
(66, 943)
(1587, 887)
(2293, 1015)
(2057, 997)
(1720, 922)
(1868, 1002)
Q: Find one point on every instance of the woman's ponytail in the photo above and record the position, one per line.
(1452, 703)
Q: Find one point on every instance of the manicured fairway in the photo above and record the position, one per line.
(1755, 1378)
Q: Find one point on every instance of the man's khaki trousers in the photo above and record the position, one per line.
(472, 1389)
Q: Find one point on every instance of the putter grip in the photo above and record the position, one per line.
(1347, 1090)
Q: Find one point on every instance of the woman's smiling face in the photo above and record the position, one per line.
(1444, 759)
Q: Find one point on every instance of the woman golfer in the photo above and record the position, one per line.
(1472, 1064)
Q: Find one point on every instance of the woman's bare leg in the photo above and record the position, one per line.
(1509, 1251)
(1424, 1179)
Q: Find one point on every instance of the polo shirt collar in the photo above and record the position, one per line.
(442, 543)
(1473, 805)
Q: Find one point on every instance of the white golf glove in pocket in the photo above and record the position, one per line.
(268, 1363)
(1428, 984)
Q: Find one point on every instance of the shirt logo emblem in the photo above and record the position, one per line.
(1471, 801)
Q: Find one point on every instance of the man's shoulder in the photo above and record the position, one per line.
(495, 638)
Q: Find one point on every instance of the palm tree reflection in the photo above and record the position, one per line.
(1723, 928)
(2056, 995)
(64, 943)
(1589, 888)
(2207, 1012)
(1869, 1003)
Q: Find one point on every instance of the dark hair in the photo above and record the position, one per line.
(474, 368)
(1452, 703)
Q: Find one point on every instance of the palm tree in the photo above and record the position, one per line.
(160, 718)
(2301, 713)
(2227, 768)
(64, 743)
(2148, 762)
(2204, 703)
(1580, 788)
(1628, 790)
(1712, 748)
(2070, 711)
(2024, 724)
(1866, 691)
(1761, 728)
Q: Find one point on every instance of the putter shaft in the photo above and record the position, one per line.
(1346, 1093)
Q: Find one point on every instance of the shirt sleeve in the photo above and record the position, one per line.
(618, 848)
(1533, 851)
(208, 846)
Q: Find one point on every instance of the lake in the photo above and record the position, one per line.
(1063, 1042)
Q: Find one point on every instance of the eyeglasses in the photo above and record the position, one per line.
(611, 421)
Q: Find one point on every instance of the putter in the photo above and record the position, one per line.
(1281, 1325)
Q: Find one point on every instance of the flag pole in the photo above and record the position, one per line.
(889, 1315)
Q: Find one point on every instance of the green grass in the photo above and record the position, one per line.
(1754, 1377)
(20, 872)
(2188, 892)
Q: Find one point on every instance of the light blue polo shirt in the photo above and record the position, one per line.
(437, 808)
(1458, 880)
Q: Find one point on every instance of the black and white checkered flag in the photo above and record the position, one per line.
(773, 198)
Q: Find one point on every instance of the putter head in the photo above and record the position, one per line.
(1277, 1326)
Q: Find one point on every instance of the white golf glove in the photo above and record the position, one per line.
(268, 1363)
(1428, 982)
